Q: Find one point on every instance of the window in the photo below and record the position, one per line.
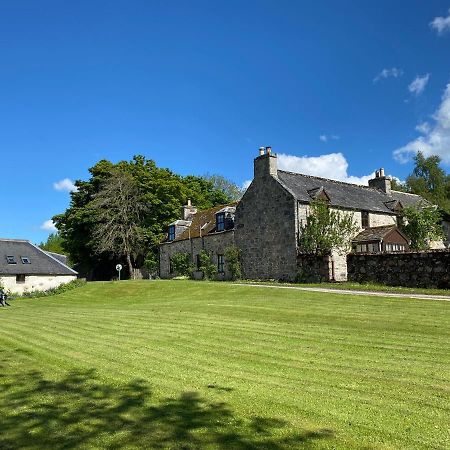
(365, 219)
(171, 232)
(11, 260)
(220, 222)
(25, 260)
(20, 279)
(220, 264)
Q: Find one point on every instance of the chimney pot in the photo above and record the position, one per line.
(268, 150)
(261, 151)
(382, 172)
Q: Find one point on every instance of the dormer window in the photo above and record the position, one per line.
(11, 260)
(171, 234)
(220, 222)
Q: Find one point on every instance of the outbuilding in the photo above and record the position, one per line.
(24, 267)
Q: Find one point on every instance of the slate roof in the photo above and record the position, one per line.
(374, 233)
(41, 263)
(344, 195)
(202, 219)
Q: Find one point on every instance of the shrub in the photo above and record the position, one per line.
(55, 291)
(182, 265)
(233, 259)
(207, 266)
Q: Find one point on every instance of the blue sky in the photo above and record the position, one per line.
(338, 89)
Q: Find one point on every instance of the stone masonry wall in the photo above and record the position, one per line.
(413, 269)
(215, 244)
(266, 230)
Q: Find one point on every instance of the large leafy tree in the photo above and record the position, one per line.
(429, 180)
(422, 225)
(161, 191)
(326, 229)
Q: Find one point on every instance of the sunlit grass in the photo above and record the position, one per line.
(180, 364)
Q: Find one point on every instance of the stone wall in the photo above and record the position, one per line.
(215, 244)
(34, 282)
(413, 269)
(266, 230)
(313, 269)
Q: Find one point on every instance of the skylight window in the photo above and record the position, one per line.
(11, 260)
(25, 260)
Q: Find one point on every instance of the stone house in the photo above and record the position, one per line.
(211, 230)
(266, 223)
(25, 267)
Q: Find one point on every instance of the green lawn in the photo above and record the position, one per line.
(193, 365)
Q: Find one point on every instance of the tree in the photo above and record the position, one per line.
(326, 229)
(231, 190)
(430, 181)
(119, 209)
(54, 243)
(422, 225)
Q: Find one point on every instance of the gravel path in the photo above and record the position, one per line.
(351, 292)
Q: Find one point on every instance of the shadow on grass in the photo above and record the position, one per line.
(80, 410)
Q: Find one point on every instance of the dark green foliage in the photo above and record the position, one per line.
(430, 181)
(54, 243)
(326, 229)
(182, 264)
(151, 264)
(161, 191)
(207, 266)
(422, 225)
(233, 260)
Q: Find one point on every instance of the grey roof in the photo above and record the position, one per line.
(377, 233)
(344, 195)
(41, 263)
(409, 199)
(58, 256)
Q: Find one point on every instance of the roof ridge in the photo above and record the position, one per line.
(406, 193)
(13, 240)
(329, 179)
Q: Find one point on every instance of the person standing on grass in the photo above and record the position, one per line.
(3, 298)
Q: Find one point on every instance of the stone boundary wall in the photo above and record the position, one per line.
(313, 269)
(428, 269)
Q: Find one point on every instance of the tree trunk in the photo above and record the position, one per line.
(130, 266)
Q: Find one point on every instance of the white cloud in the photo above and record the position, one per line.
(333, 166)
(329, 137)
(48, 225)
(423, 127)
(441, 24)
(66, 185)
(435, 139)
(388, 73)
(245, 185)
(418, 85)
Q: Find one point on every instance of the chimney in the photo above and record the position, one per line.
(266, 163)
(381, 181)
(189, 211)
